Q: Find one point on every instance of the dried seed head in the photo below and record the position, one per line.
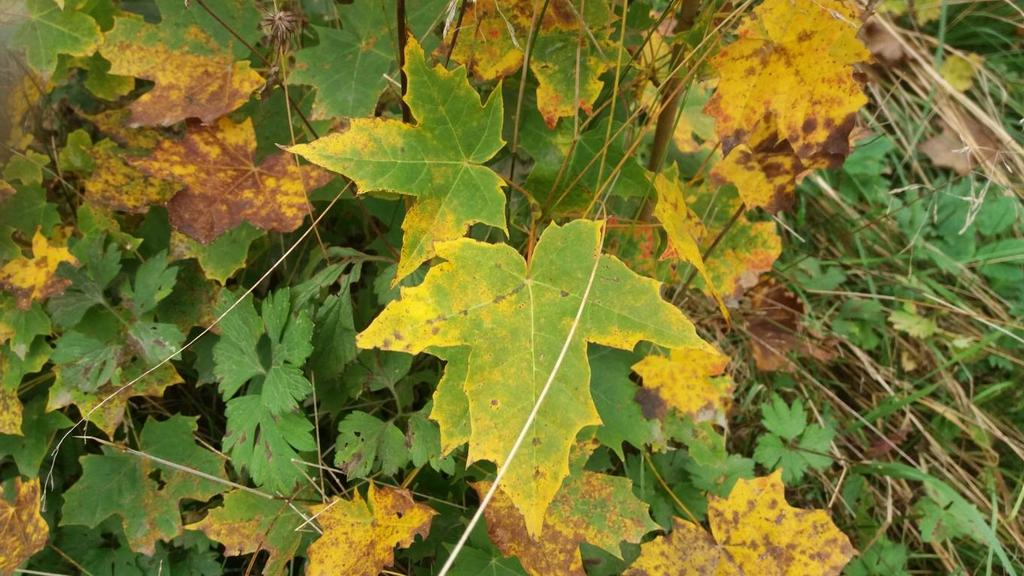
(279, 25)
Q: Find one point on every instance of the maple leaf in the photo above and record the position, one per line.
(191, 58)
(349, 67)
(23, 531)
(792, 66)
(763, 180)
(35, 279)
(360, 536)
(776, 329)
(622, 419)
(147, 492)
(567, 61)
(683, 227)
(49, 30)
(753, 531)
(248, 523)
(686, 551)
(744, 250)
(224, 186)
(10, 411)
(109, 412)
(598, 509)
(688, 380)
(513, 324)
(118, 185)
(439, 161)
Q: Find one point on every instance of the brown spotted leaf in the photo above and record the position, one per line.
(776, 328)
(690, 380)
(192, 59)
(598, 509)
(793, 65)
(248, 523)
(688, 550)
(224, 186)
(23, 531)
(35, 279)
(764, 180)
(118, 185)
(756, 532)
(360, 536)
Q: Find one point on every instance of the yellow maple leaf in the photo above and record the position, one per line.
(23, 531)
(118, 185)
(686, 551)
(764, 180)
(689, 380)
(792, 65)
(360, 536)
(683, 227)
(753, 531)
(567, 60)
(10, 410)
(194, 75)
(598, 509)
(35, 279)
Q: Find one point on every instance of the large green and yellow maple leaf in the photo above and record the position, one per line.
(514, 317)
(439, 160)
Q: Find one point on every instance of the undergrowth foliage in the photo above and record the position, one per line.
(306, 285)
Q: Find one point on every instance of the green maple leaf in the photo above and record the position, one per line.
(247, 523)
(28, 209)
(368, 444)
(439, 160)
(615, 397)
(37, 429)
(570, 169)
(513, 318)
(348, 66)
(49, 30)
(145, 493)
